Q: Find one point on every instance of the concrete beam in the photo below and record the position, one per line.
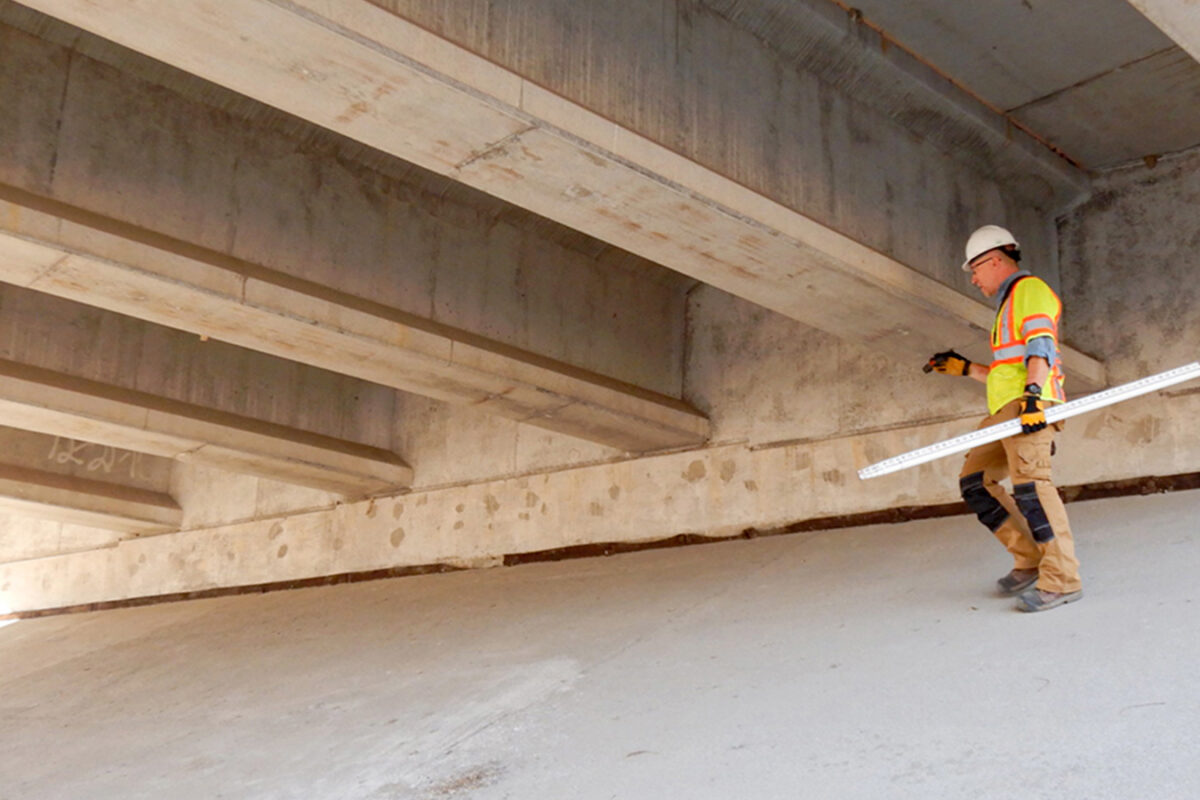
(57, 249)
(82, 501)
(83, 483)
(367, 74)
(1180, 21)
(63, 405)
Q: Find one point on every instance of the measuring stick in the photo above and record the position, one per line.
(1012, 427)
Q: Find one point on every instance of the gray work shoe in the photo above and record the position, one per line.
(1017, 581)
(1037, 600)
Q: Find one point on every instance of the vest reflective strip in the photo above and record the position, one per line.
(1014, 352)
(1037, 324)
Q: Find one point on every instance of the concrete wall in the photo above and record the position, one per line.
(1130, 261)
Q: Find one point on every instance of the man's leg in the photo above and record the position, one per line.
(1039, 503)
(984, 467)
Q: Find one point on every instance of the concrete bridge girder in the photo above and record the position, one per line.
(81, 483)
(365, 73)
(1180, 21)
(37, 399)
(59, 250)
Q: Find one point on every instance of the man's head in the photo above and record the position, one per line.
(992, 256)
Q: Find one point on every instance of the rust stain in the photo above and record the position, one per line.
(353, 112)
(751, 486)
(512, 173)
(752, 242)
(383, 90)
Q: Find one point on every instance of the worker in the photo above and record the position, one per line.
(1025, 375)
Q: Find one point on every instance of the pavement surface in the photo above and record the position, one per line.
(863, 663)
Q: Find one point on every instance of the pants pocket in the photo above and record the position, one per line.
(1033, 461)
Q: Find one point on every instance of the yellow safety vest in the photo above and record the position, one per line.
(1030, 310)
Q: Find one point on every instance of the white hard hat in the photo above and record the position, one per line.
(989, 237)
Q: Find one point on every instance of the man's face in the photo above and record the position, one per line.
(989, 270)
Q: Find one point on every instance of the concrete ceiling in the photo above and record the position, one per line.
(1084, 75)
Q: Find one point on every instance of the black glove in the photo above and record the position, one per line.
(948, 363)
(1033, 418)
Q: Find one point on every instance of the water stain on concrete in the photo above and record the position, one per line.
(751, 486)
(695, 471)
(460, 508)
(397, 537)
(834, 476)
(595, 509)
(338, 544)
(531, 500)
(372, 510)
(1144, 431)
(458, 525)
(614, 491)
(283, 550)
(728, 470)
(492, 504)
(397, 510)
(275, 532)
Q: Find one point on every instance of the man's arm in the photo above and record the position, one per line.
(977, 372)
(1037, 369)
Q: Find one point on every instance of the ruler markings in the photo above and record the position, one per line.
(1055, 413)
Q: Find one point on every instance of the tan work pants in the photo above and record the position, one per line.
(1026, 459)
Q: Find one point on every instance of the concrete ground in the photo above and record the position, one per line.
(864, 663)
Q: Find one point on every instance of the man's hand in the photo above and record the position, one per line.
(948, 363)
(1033, 418)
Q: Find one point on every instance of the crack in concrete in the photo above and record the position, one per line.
(495, 149)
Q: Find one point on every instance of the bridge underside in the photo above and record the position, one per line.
(301, 289)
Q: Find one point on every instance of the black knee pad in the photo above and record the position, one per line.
(1031, 508)
(980, 500)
